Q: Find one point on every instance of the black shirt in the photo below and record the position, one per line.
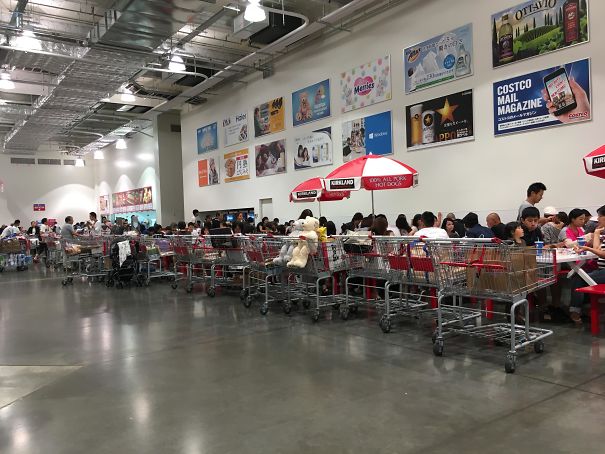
(530, 238)
(500, 231)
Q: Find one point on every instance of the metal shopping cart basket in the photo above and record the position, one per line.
(53, 254)
(411, 281)
(155, 260)
(319, 281)
(267, 281)
(15, 254)
(230, 266)
(488, 269)
(85, 256)
(196, 255)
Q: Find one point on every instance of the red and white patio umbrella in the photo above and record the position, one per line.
(372, 173)
(313, 191)
(595, 162)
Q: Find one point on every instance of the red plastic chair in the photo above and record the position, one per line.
(595, 292)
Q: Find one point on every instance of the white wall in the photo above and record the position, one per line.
(66, 190)
(170, 169)
(487, 174)
(122, 170)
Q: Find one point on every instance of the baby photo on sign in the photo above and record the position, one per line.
(270, 158)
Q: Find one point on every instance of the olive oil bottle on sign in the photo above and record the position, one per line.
(505, 40)
(571, 21)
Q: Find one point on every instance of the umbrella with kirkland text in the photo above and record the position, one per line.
(313, 191)
(595, 163)
(372, 173)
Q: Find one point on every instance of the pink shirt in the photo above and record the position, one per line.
(574, 234)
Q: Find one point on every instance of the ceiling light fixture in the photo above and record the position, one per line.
(99, 155)
(121, 144)
(80, 162)
(127, 96)
(255, 12)
(177, 64)
(28, 41)
(5, 81)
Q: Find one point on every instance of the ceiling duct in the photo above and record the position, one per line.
(111, 60)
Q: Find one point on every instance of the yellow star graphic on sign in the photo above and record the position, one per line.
(447, 113)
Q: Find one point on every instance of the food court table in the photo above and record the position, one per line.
(576, 261)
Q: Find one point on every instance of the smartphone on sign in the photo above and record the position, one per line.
(559, 91)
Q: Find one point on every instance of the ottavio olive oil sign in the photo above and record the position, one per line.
(536, 28)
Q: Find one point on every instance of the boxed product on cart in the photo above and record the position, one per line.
(334, 255)
(500, 270)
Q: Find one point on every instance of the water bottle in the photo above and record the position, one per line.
(539, 248)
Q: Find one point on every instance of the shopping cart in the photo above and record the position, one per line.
(229, 266)
(487, 269)
(267, 280)
(318, 283)
(86, 257)
(155, 260)
(15, 254)
(53, 254)
(367, 274)
(410, 279)
(193, 257)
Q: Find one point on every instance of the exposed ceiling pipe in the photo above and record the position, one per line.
(203, 26)
(17, 17)
(301, 32)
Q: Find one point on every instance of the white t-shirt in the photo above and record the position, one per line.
(10, 230)
(434, 233)
(43, 228)
(96, 227)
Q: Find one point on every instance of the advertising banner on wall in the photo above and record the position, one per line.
(207, 171)
(134, 200)
(39, 207)
(536, 28)
(440, 121)
(269, 117)
(314, 150)
(366, 84)
(311, 103)
(367, 135)
(207, 138)
(235, 129)
(552, 97)
(270, 158)
(237, 166)
(104, 204)
(438, 60)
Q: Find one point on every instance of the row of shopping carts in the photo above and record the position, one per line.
(15, 254)
(455, 284)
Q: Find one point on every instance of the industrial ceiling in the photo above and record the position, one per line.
(77, 75)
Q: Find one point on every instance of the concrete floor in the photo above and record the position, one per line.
(86, 369)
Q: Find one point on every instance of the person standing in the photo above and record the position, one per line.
(67, 231)
(94, 224)
(535, 193)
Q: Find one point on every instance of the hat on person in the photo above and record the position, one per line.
(551, 210)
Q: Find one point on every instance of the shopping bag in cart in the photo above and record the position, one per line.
(334, 256)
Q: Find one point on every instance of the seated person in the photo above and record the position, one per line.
(494, 223)
(598, 248)
(474, 229)
(430, 231)
(530, 219)
(514, 234)
(551, 230)
(575, 229)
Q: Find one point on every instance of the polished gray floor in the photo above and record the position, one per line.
(85, 369)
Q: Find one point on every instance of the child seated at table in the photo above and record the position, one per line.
(530, 218)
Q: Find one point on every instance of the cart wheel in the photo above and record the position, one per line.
(119, 285)
(385, 324)
(434, 336)
(189, 288)
(287, 308)
(248, 301)
(64, 282)
(211, 292)
(354, 309)
(109, 283)
(264, 309)
(539, 347)
(140, 280)
(1, 269)
(438, 347)
(147, 282)
(336, 307)
(510, 364)
(344, 313)
(47, 264)
(306, 304)
(243, 295)
(174, 285)
(315, 317)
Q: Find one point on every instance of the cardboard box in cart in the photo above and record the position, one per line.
(507, 271)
